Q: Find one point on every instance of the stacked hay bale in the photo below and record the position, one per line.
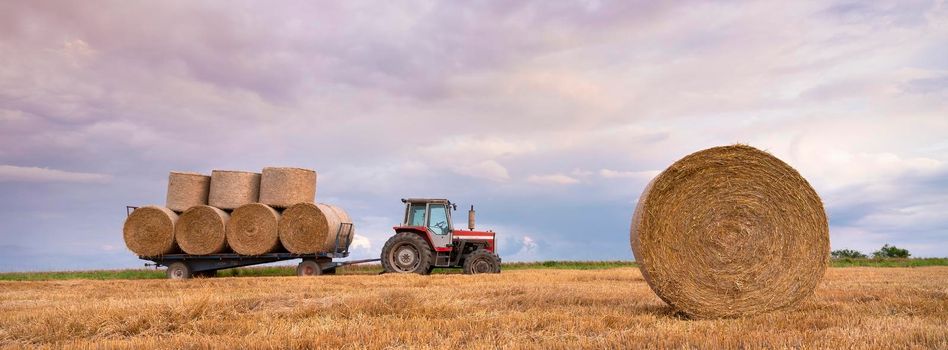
(231, 189)
(186, 190)
(149, 231)
(284, 187)
(307, 228)
(730, 231)
(201, 230)
(252, 229)
(248, 213)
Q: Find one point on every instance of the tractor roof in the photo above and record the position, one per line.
(426, 200)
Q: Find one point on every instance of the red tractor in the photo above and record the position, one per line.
(426, 239)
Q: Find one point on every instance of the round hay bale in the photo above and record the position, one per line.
(343, 218)
(186, 190)
(231, 189)
(149, 231)
(730, 231)
(201, 230)
(307, 228)
(252, 229)
(283, 187)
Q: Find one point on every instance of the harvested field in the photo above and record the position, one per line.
(532, 308)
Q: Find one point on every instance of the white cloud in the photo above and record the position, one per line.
(478, 148)
(11, 173)
(642, 175)
(837, 167)
(487, 169)
(552, 179)
(529, 246)
(360, 242)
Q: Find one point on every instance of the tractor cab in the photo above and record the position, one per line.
(432, 216)
(427, 239)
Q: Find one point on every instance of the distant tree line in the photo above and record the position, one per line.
(886, 252)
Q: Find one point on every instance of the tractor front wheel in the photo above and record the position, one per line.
(406, 252)
(481, 261)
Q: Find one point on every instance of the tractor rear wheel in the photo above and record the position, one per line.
(406, 252)
(481, 261)
(178, 271)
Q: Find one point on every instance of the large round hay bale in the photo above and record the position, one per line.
(149, 231)
(186, 190)
(307, 228)
(252, 229)
(730, 231)
(231, 189)
(283, 187)
(343, 218)
(201, 230)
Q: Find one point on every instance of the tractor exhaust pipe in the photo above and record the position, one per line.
(470, 219)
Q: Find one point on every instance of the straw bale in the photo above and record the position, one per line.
(186, 190)
(283, 187)
(231, 189)
(343, 218)
(307, 228)
(201, 230)
(252, 229)
(149, 231)
(730, 231)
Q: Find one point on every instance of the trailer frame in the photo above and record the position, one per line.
(182, 266)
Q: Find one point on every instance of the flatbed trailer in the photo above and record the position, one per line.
(183, 266)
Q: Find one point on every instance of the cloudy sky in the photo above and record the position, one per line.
(550, 117)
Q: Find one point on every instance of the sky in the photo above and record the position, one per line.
(548, 117)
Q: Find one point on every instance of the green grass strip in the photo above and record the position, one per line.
(370, 269)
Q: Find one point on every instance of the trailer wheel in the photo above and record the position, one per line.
(178, 271)
(309, 268)
(481, 261)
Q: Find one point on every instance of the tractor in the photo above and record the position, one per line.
(426, 239)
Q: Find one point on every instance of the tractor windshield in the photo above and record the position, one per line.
(438, 220)
(416, 215)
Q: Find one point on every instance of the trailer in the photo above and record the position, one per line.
(183, 266)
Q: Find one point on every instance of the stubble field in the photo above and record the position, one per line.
(855, 307)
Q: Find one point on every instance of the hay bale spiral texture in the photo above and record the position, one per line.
(730, 231)
(201, 230)
(307, 228)
(283, 187)
(231, 189)
(149, 231)
(186, 190)
(252, 229)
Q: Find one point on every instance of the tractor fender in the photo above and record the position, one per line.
(420, 230)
